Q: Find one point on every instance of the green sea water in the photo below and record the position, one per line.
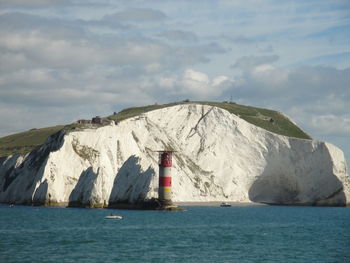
(200, 234)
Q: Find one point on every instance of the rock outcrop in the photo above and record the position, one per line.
(220, 157)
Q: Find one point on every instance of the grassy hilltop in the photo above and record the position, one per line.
(25, 142)
(270, 120)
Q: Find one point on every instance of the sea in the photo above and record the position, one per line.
(198, 234)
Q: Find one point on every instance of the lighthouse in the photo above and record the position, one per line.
(165, 164)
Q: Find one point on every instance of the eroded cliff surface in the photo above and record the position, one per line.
(220, 157)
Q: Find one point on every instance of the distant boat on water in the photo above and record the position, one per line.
(113, 217)
(224, 204)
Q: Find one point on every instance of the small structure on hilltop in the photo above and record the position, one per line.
(84, 121)
(96, 120)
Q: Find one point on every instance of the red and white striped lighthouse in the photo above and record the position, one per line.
(165, 164)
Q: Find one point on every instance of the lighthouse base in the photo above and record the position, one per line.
(165, 202)
(152, 204)
(167, 205)
(171, 208)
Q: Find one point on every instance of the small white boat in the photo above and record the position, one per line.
(224, 204)
(113, 217)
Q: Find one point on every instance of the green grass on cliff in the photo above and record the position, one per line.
(27, 141)
(270, 120)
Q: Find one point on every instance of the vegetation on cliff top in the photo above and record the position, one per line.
(270, 120)
(27, 141)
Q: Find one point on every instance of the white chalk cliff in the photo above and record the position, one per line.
(220, 157)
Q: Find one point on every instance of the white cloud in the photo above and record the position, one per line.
(270, 76)
(195, 78)
(315, 96)
(331, 124)
(219, 80)
(194, 85)
(34, 41)
(166, 83)
(34, 49)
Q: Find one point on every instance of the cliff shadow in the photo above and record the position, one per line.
(82, 192)
(23, 179)
(7, 171)
(293, 186)
(131, 184)
(270, 188)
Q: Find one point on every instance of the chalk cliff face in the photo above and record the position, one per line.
(220, 157)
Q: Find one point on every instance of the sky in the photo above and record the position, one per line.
(64, 60)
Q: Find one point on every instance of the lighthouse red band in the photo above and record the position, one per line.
(165, 181)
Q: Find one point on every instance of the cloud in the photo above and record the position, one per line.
(48, 88)
(333, 34)
(240, 39)
(249, 62)
(35, 49)
(179, 35)
(51, 63)
(331, 124)
(194, 85)
(33, 3)
(137, 15)
(266, 48)
(314, 95)
(41, 42)
(335, 59)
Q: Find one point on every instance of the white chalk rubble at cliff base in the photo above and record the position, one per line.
(220, 157)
